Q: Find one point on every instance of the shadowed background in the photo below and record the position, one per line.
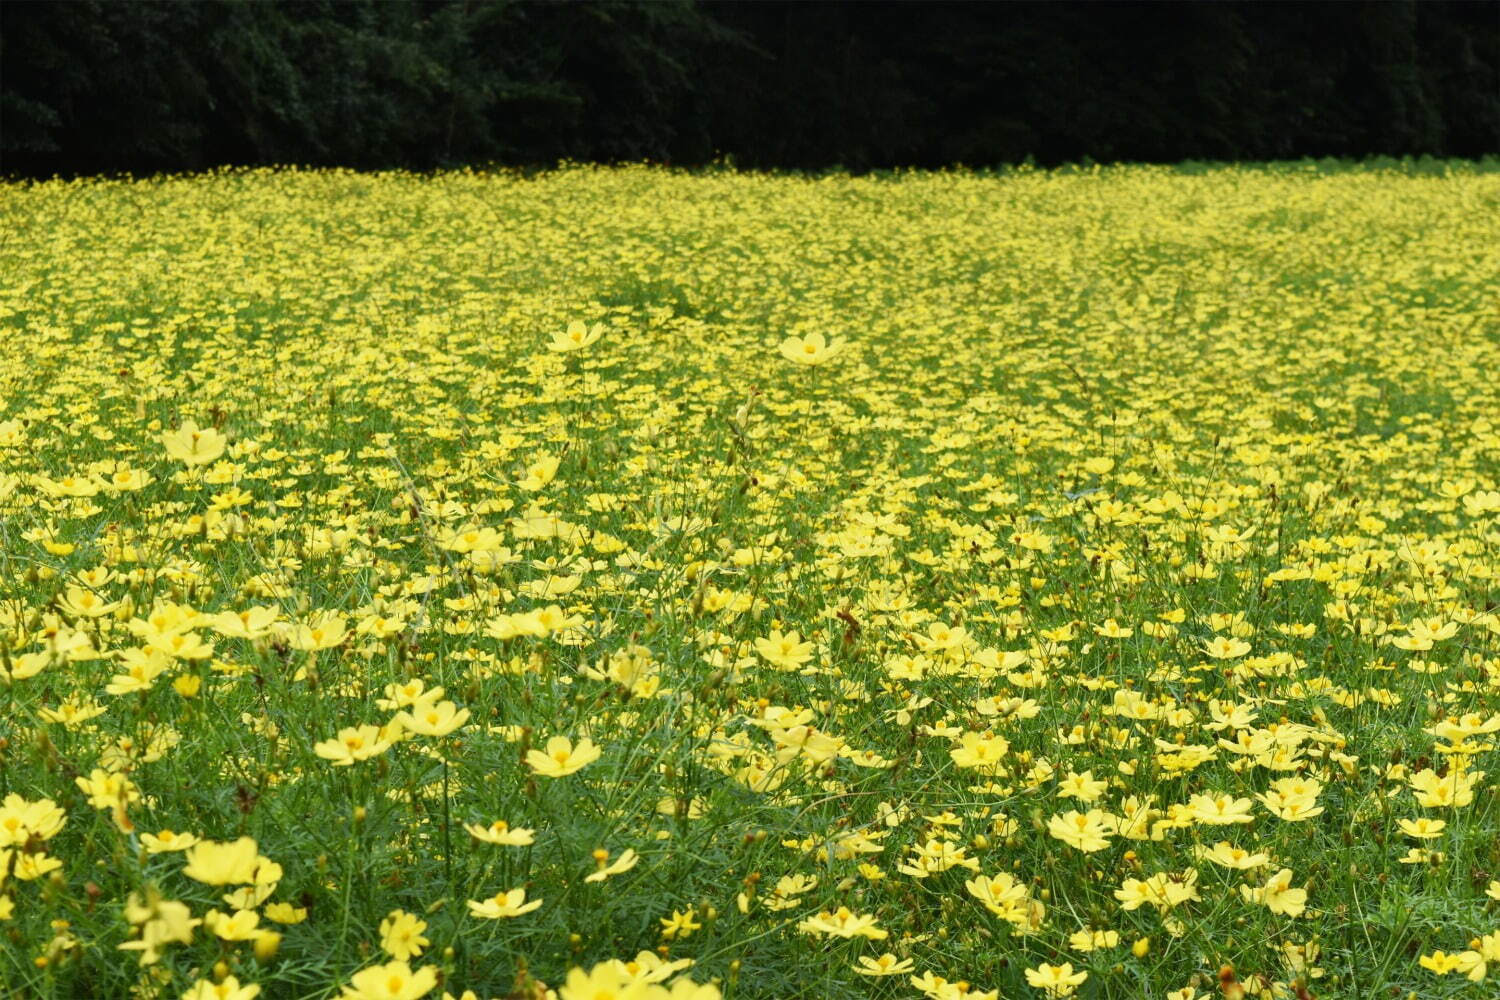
(107, 86)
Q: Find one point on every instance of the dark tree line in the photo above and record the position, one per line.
(106, 85)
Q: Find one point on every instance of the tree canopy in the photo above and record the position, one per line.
(96, 86)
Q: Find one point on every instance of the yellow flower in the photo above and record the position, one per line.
(229, 989)
(649, 967)
(214, 863)
(501, 832)
(1221, 648)
(1456, 788)
(1226, 854)
(1277, 895)
(160, 922)
(787, 651)
(401, 935)
(576, 337)
(605, 981)
(354, 743)
(1087, 940)
(1220, 810)
(680, 924)
(813, 349)
(267, 944)
(285, 913)
(33, 865)
(324, 632)
(392, 981)
(1088, 831)
(240, 926)
(844, 923)
(167, 840)
(984, 752)
(539, 473)
(1002, 895)
(511, 903)
(105, 790)
(438, 719)
(413, 694)
(21, 820)
(1057, 980)
(935, 987)
(142, 667)
(81, 603)
(1422, 828)
(562, 758)
(885, 965)
(252, 623)
(1083, 787)
(1293, 799)
(1475, 963)
(192, 444)
(627, 860)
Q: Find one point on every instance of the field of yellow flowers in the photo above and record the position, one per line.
(620, 584)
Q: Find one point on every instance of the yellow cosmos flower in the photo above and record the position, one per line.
(885, 965)
(82, 603)
(562, 758)
(229, 989)
(501, 832)
(1220, 810)
(1084, 787)
(1057, 980)
(1226, 854)
(785, 650)
(1223, 648)
(438, 719)
(354, 743)
(160, 922)
(604, 981)
(325, 632)
(813, 349)
(681, 924)
(540, 473)
(576, 337)
(649, 967)
(401, 935)
(627, 860)
(843, 923)
(1440, 962)
(391, 981)
(21, 820)
(984, 752)
(1277, 895)
(215, 863)
(285, 913)
(1087, 832)
(1088, 940)
(167, 840)
(506, 903)
(194, 445)
(239, 926)
(252, 623)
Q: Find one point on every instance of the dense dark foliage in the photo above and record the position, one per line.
(102, 85)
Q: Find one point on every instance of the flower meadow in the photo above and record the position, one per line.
(622, 584)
